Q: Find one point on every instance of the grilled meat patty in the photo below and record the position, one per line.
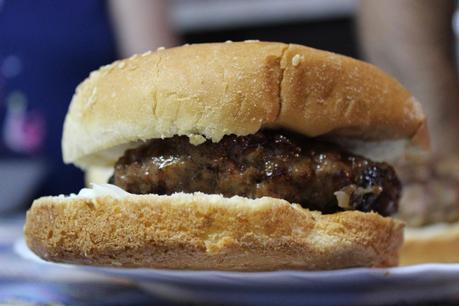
(278, 164)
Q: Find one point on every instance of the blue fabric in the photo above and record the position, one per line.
(56, 44)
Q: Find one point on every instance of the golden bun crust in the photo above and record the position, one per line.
(217, 89)
(199, 231)
(432, 243)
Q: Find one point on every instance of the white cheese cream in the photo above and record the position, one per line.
(100, 190)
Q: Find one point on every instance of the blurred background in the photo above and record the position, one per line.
(48, 47)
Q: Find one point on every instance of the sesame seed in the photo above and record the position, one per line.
(134, 57)
(297, 59)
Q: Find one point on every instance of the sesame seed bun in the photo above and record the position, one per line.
(206, 91)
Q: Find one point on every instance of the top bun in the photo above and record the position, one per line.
(206, 91)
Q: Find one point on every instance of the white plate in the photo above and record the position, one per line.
(359, 286)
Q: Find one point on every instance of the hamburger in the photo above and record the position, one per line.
(430, 209)
(246, 156)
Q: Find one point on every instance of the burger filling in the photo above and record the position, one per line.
(316, 175)
(431, 193)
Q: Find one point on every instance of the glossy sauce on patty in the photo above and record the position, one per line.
(271, 163)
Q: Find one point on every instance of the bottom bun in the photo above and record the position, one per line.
(433, 243)
(199, 231)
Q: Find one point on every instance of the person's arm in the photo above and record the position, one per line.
(141, 25)
(413, 40)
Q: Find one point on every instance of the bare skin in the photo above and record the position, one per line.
(141, 25)
(413, 40)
